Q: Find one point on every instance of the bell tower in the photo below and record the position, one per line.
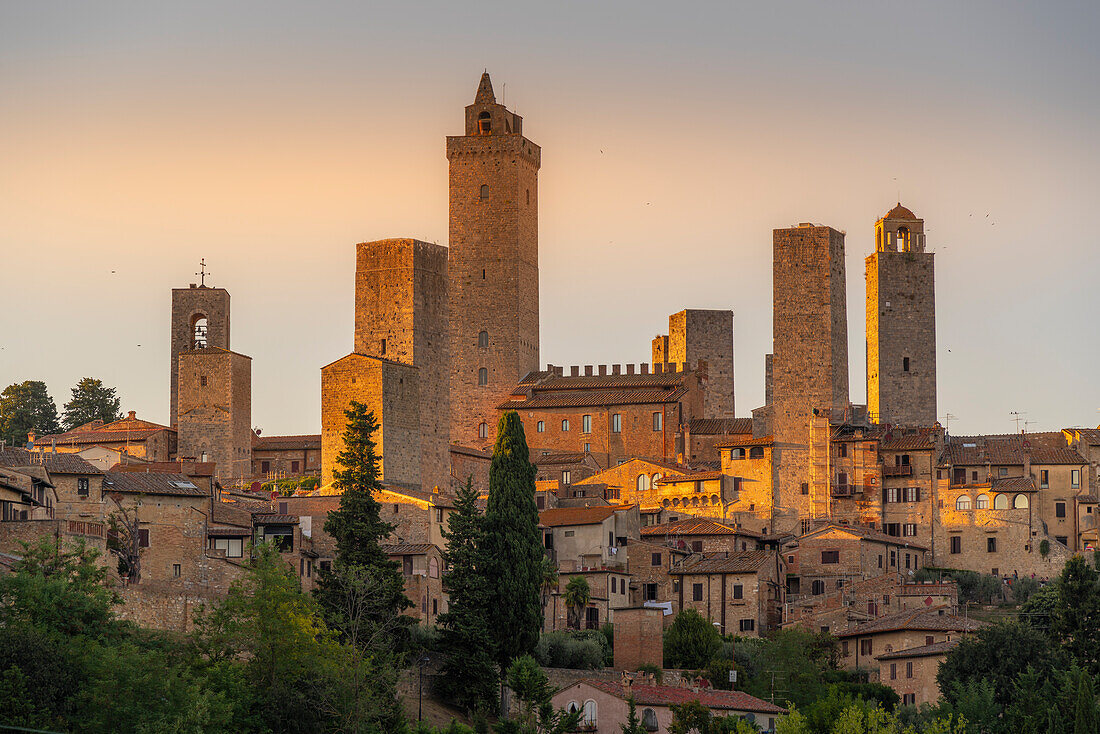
(493, 264)
(901, 322)
(200, 319)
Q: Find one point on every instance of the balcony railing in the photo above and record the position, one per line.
(905, 470)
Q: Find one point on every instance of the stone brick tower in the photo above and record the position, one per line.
(810, 359)
(401, 316)
(901, 322)
(215, 410)
(494, 264)
(200, 319)
(700, 335)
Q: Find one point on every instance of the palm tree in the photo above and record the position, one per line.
(576, 597)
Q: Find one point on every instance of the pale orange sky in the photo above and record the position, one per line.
(269, 138)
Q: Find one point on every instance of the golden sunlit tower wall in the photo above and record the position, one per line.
(901, 323)
(810, 360)
(200, 319)
(493, 264)
(702, 335)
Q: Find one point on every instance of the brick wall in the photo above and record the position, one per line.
(638, 638)
(188, 304)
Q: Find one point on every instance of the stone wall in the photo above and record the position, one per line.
(638, 638)
(215, 410)
(697, 335)
(401, 315)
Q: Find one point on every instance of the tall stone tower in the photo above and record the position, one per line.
(200, 319)
(401, 316)
(809, 362)
(901, 322)
(215, 410)
(494, 264)
(702, 335)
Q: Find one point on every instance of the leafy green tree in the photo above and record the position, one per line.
(632, 725)
(26, 406)
(513, 556)
(691, 641)
(358, 528)
(1038, 610)
(576, 597)
(1076, 620)
(537, 713)
(469, 675)
(91, 400)
(998, 653)
(1086, 717)
(791, 664)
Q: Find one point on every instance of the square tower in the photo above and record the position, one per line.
(200, 319)
(901, 323)
(494, 263)
(809, 365)
(401, 315)
(389, 389)
(699, 335)
(215, 410)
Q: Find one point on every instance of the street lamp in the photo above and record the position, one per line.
(424, 659)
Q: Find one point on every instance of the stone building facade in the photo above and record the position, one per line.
(286, 455)
(742, 591)
(391, 390)
(131, 436)
(810, 362)
(214, 401)
(699, 336)
(401, 315)
(200, 319)
(901, 323)
(494, 262)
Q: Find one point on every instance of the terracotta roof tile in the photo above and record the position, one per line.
(745, 441)
(719, 426)
(1010, 449)
(693, 477)
(595, 398)
(406, 549)
(914, 619)
(868, 534)
(286, 443)
(668, 695)
(900, 212)
(936, 648)
(562, 516)
(733, 562)
(696, 526)
(152, 483)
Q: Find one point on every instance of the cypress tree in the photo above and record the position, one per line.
(357, 525)
(513, 548)
(469, 673)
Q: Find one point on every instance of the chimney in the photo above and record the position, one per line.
(588, 370)
(630, 369)
(30, 436)
(132, 415)
(574, 371)
(603, 370)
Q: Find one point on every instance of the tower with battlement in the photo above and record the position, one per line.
(901, 322)
(493, 268)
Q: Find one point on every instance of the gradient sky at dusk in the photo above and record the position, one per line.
(270, 137)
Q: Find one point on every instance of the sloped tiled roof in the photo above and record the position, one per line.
(152, 483)
(728, 562)
(1014, 484)
(56, 463)
(719, 426)
(866, 533)
(936, 648)
(562, 516)
(668, 695)
(286, 443)
(739, 441)
(694, 477)
(595, 398)
(273, 518)
(914, 619)
(124, 429)
(697, 526)
(548, 381)
(558, 457)
(1011, 449)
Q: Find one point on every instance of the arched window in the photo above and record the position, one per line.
(695, 501)
(665, 502)
(675, 501)
(482, 377)
(483, 430)
(982, 502)
(641, 484)
(714, 499)
(199, 328)
(483, 339)
(1000, 502)
(656, 478)
(484, 124)
(565, 425)
(589, 716)
(756, 452)
(1020, 502)
(737, 454)
(573, 707)
(649, 719)
(484, 191)
(963, 502)
(433, 568)
(903, 239)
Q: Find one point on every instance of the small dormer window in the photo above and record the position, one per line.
(484, 124)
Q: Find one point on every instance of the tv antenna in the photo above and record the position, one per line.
(1018, 416)
(202, 272)
(947, 418)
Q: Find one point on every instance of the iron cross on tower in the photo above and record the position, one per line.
(202, 272)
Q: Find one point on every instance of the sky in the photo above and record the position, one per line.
(270, 137)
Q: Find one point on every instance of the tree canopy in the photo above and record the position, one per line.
(91, 400)
(24, 407)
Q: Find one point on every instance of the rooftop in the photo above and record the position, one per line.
(562, 516)
(668, 695)
(696, 526)
(936, 648)
(727, 562)
(935, 620)
(161, 483)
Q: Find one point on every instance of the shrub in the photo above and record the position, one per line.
(577, 650)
